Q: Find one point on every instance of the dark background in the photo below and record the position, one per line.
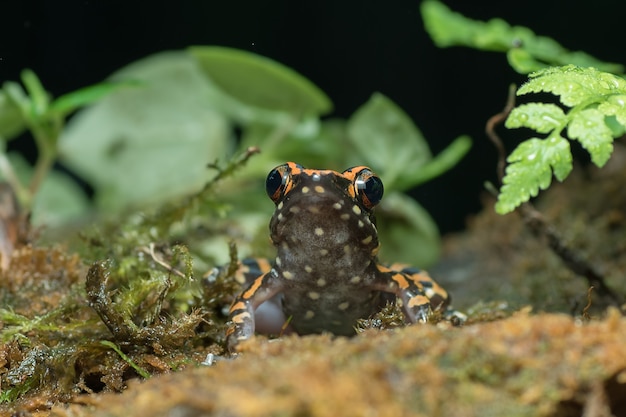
(348, 48)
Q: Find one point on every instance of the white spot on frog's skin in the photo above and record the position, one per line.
(355, 279)
(356, 209)
(308, 269)
(313, 209)
(280, 216)
(278, 261)
(294, 209)
(343, 306)
(321, 282)
(305, 190)
(337, 206)
(345, 216)
(347, 249)
(319, 231)
(285, 245)
(288, 274)
(319, 189)
(367, 240)
(323, 252)
(280, 206)
(361, 223)
(313, 295)
(309, 314)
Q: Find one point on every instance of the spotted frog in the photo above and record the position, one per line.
(326, 274)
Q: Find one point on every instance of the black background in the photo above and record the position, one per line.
(348, 48)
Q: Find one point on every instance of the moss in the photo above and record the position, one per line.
(514, 367)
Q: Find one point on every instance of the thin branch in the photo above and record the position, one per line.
(149, 250)
(490, 129)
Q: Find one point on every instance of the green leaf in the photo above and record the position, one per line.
(615, 105)
(39, 97)
(589, 127)
(448, 28)
(523, 61)
(68, 103)
(140, 146)
(260, 81)
(531, 167)
(442, 162)
(58, 201)
(16, 95)
(385, 138)
(11, 121)
(574, 85)
(407, 232)
(538, 116)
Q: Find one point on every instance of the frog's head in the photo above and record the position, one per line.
(324, 210)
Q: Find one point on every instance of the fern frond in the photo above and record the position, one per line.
(530, 169)
(596, 115)
(574, 85)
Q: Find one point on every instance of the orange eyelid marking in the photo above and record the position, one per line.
(351, 174)
(253, 288)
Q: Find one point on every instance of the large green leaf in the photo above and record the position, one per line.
(386, 139)
(151, 143)
(261, 82)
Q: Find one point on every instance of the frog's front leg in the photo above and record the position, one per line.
(242, 311)
(420, 294)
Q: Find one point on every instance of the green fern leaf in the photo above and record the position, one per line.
(589, 127)
(541, 117)
(574, 85)
(531, 166)
(615, 106)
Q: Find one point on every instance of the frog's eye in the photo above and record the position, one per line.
(276, 182)
(369, 188)
(280, 180)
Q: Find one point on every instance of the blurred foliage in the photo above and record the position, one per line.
(155, 143)
(526, 51)
(596, 99)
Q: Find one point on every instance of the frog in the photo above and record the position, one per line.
(326, 274)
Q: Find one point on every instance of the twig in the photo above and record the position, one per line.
(149, 250)
(493, 136)
(537, 223)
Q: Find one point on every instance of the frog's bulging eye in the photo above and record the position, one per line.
(369, 188)
(276, 182)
